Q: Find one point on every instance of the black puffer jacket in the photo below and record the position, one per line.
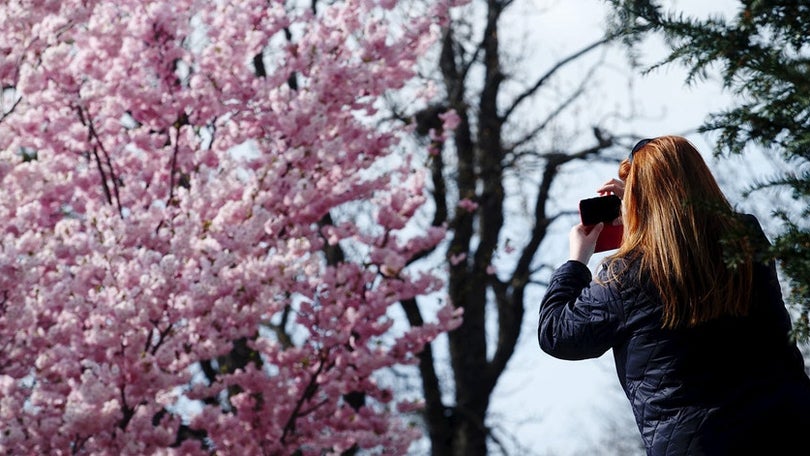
(731, 386)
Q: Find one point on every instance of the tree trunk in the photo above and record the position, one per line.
(475, 168)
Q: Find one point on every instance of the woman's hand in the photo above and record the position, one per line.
(614, 186)
(582, 241)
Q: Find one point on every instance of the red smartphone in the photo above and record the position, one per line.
(603, 209)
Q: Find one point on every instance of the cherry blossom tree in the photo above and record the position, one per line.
(172, 277)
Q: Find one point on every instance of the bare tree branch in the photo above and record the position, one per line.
(552, 71)
(435, 410)
(557, 111)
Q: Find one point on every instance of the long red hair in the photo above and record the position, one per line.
(682, 229)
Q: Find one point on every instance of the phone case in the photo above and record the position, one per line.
(610, 238)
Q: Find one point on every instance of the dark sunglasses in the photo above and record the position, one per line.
(637, 147)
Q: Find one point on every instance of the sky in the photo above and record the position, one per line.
(562, 408)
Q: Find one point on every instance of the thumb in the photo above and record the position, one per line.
(594, 233)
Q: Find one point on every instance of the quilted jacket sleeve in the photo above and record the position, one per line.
(579, 318)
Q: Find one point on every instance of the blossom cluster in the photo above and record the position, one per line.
(168, 168)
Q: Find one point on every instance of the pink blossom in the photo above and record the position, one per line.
(165, 194)
(468, 204)
(457, 258)
(450, 119)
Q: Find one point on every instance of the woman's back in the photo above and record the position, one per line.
(726, 382)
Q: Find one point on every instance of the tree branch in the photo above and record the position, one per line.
(309, 391)
(438, 422)
(113, 197)
(509, 296)
(553, 70)
(11, 110)
(554, 114)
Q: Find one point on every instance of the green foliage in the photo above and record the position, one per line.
(762, 54)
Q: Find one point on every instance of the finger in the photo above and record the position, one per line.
(615, 187)
(594, 233)
(580, 230)
(610, 186)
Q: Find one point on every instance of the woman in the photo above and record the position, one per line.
(692, 310)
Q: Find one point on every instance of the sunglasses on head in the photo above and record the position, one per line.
(637, 147)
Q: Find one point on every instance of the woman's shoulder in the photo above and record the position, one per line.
(753, 230)
(621, 273)
(749, 221)
(617, 267)
(638, 298)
